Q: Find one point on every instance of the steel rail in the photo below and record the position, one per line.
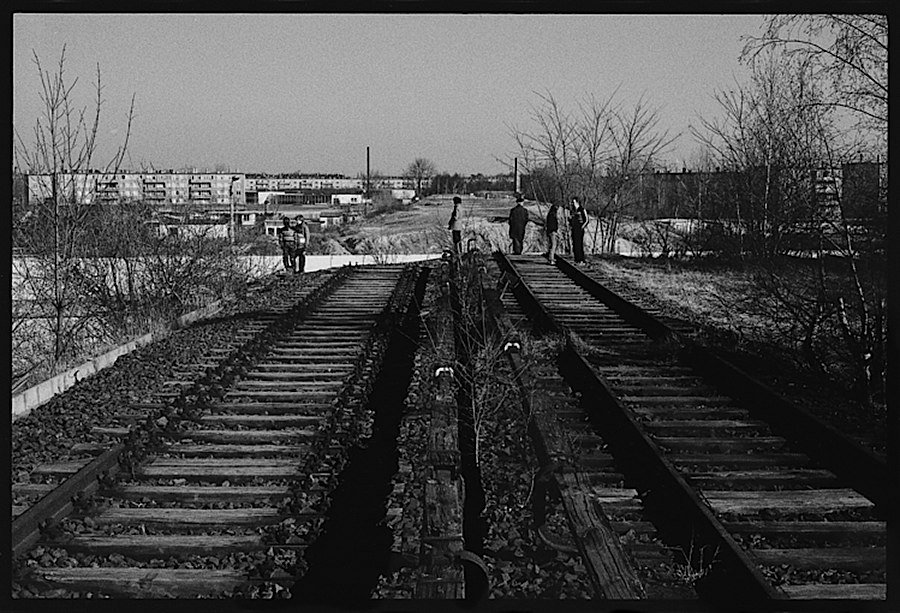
(342, 425)
(57, 504)
(664, 488)
(849, 460)
(609, 571)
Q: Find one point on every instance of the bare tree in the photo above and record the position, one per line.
(65, 142)
(488, 387)
(90, 271)
(772, 136)
(551, 144)
(421, 169)
(847, 56)
(778, 139)
(595, 154)
(637, 144)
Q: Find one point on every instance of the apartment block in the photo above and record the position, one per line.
(160, 188)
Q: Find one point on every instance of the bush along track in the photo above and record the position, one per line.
(175, 418)
(504, 557)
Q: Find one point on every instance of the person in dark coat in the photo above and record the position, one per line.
(454, 227)
(518, 219)
(551, 226)
(578, 222)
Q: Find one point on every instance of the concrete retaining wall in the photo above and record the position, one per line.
(23, 403)
(267, 264)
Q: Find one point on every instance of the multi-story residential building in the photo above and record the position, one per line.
(160, 188)
(79, 188)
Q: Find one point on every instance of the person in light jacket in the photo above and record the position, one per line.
(454, 227)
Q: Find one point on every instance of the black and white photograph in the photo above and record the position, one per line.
(405, 311)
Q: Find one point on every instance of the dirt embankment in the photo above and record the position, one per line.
(422, 228)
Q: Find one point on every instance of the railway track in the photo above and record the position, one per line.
(718, 465)
(619, 546)
(280, 296)
(235, 460)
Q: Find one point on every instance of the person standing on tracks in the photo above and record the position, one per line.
(578, 222)
(518, 219)
(454, 227)
(551, 226)
(301, 237)
(288, 243)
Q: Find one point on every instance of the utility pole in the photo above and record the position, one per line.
(231, 198)
(516, 171)
(368, 186)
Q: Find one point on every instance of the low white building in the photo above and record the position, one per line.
(339, 199)
(242, 217)
(403, 195)
(191, 229)
(331, 218)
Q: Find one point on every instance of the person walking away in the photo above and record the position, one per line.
(453, 226)
(287, 242)
(518, 219)
(551, 226)
(301, 230)
(578, 222)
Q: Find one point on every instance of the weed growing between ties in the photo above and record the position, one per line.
(519, 563)
(694, 564)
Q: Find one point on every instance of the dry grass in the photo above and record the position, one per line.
(723, 302)
(422, 228)
(707, 296)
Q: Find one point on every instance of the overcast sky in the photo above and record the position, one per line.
(279, 93)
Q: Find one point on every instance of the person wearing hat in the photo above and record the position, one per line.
(518, 219)
(578, 223)
(453, 226)
(287, 240)
(301, 228)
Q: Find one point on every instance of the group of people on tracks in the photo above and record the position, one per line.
(293, 237)
(518, 220)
